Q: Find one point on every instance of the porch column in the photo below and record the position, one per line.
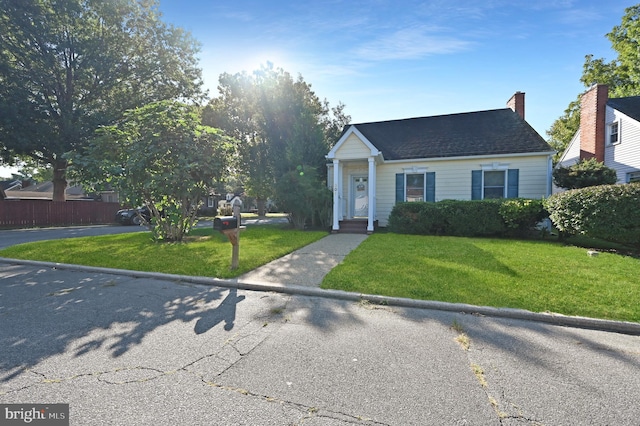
(336, 196)
(372, 194)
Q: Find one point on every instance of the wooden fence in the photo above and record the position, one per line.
(35, 213)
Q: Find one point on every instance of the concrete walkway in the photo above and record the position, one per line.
(308, 266)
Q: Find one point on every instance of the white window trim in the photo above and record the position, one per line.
(416, 171)
(631, 175)
(422, 172)
(495, 167)
(609, 133)
(506, 180)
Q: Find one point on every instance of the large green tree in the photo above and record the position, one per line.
(282, 128)
(622, 75)
(160, 155)
(69, 66)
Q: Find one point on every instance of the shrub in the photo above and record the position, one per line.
(521, 215)
(472, 218)
(303, 195)
(449, 217)
(405, 219)
(583, 174)
(516, 216)
(609, 212)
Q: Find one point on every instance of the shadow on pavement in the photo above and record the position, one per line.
(45, 313)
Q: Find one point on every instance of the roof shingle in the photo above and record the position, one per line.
(629, 106)
(493, 132)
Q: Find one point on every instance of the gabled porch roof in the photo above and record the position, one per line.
(353, 131)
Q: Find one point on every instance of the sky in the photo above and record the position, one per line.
(393, 59)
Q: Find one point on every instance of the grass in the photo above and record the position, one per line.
(204, 253)
(540, 276)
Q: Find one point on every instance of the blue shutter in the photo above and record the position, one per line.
(430, 195)
(512, 183)
(399, 187)
(476, 184)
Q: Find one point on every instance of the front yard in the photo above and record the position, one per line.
(540, 276)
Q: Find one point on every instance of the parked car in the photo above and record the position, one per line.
(133, 216)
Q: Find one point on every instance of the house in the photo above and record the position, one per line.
(609, 132)
(44, 191)
(466, 156)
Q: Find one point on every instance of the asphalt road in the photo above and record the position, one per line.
(123, 350)
(18, 236)
(127, 351)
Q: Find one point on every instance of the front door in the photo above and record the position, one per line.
(360, 196)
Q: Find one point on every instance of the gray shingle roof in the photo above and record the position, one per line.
(500, 131)
(629, 106)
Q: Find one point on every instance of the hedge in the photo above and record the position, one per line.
(467, 218)
(608, 212)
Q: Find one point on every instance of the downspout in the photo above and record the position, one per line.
(372, 194)
(336, 196)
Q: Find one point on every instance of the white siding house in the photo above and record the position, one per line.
(484, 154)
(609, 131)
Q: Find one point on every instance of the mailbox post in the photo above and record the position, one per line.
(231, 226)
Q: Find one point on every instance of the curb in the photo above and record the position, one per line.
(520, 314)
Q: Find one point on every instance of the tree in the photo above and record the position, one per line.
(161, 156)
(30, 169)
(281, 125)
(299, 193)
(563, 129)
(622, 75)
(68, 67)
(584, 173)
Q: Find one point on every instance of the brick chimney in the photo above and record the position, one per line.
(516, 103)
(593, 108)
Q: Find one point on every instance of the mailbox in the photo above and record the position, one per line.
(225, 222)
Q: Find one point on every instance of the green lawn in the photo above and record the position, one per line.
(204, 253)
(539, 276)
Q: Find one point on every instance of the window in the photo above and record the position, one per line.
(210, 202)
(415, 187)
(633, 177)
(614, 133)
(494, 184)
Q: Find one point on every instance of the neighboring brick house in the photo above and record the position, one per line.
(474, 155)
(609, 132)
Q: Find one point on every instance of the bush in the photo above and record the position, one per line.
(583, 174)
(449, 217)
(515, 216)
(416, 218)
(303, 195)
(521, 215)
(608, 212)
(472, 218)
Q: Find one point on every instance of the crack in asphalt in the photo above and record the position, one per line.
(484, 384)
(309, 411)
(251, 336)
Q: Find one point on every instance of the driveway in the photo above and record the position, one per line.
(146, 351)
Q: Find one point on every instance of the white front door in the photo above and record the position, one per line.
(360, 196)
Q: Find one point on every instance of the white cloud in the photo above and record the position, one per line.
(411, 43)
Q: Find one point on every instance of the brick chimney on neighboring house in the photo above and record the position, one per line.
(593, 108)
(516, 103)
